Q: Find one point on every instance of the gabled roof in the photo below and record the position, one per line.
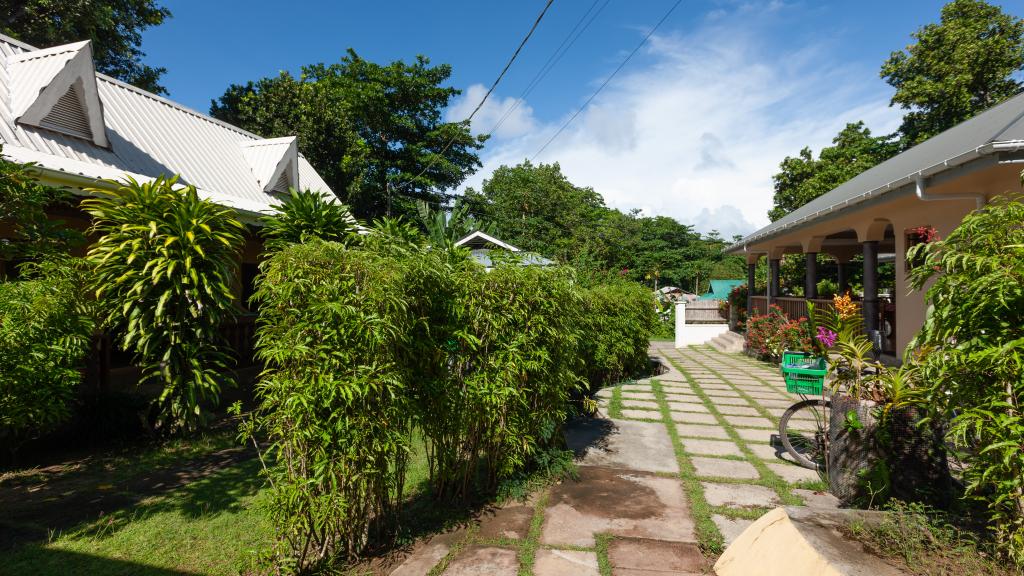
(720, 289)
(998, 128)
(479, 239)
(146, 136)
(56, 89)
(274, 162)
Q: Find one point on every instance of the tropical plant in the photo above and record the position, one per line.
(23, 208)
(46, 326)
(444, 229)
(974, 334)
(334, 401)
(305, 215)
(393, 236)
(163, 268)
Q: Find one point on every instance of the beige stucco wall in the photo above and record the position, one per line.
(902, 210)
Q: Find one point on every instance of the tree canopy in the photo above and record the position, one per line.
(536, 208)
(374, 132)
(957, 68)
(114, 26)
(804, 178)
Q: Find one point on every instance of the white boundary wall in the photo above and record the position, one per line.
(690, 334)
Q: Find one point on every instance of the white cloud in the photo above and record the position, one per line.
(698, 132)
(512, 116)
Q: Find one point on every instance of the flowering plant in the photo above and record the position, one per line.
(768, 335)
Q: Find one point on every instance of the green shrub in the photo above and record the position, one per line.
(46, 326)
(163, 269)
(333, 400)
(617, 322)
(305, 215)
(769, 335)
(973, 354)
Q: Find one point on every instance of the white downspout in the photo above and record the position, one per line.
(979, 199)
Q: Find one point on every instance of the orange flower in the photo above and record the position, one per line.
(845, 306)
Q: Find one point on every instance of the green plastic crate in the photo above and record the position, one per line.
(804, 373)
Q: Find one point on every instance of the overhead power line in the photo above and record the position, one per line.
(557, 55)
(607, 80)
(482, 100)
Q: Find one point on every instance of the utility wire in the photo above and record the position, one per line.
(607, 80)
(487, 95)
(557, 55)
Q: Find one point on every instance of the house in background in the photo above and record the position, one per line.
(720, 289)
(481, 247)
(882, 212)
(79, 127)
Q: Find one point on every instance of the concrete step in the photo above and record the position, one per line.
(729, 342)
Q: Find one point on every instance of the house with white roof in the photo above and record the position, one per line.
(481, 246)
(79, 127)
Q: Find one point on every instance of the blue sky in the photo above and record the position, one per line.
(692, 128)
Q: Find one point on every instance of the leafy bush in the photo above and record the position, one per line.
(973, 344)
(334, 399)
(163, 269)
(827, 288)
(617, 323)
(770, 334)
(46, 326)
(513, 366)
(305, 215)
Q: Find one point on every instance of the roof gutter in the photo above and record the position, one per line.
(919, 188)
(983, 150)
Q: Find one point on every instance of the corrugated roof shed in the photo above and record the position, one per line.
(148, 136)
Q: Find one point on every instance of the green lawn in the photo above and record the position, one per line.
(211, 525)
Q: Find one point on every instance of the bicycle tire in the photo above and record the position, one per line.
(816, 448)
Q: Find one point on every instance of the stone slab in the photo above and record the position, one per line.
(721, 468)
(427, 553)
(687, 407)
(565, 563)
(631, 395)
(749, 421)
(730, 527)
(605, 392)
(617, 502)
(693, 418)
(702, 431)
(710, 447)
(739, 495)
(792, 473)
(641, 414)
(732, 401)
(646, 404)
(771, 452)
(738, 410)
(654, 557)
(484, 561)
(626, 444)
(817, 500)
(758, 435)
(509, 521)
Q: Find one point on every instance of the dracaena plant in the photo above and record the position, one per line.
(164, 264)
(305, 215)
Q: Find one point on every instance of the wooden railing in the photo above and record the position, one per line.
(797, 307)
(704, 312)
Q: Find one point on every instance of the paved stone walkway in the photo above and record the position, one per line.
(674, 465)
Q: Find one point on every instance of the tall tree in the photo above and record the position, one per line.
(803, 178)
(957, 68)
(114, 26)
(375, 132)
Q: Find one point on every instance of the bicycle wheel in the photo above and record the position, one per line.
(803, 434)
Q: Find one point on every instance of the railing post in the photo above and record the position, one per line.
(680, 322)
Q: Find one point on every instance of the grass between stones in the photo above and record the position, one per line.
(601, 544)
(528, 548)
(615, 404)
(709, 539)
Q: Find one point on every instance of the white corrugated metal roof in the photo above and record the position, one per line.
(148, 136)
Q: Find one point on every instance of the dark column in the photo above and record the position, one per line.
(871, 287)
(811, 276)
(844, 281)
(751, 268)
(773, 281)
